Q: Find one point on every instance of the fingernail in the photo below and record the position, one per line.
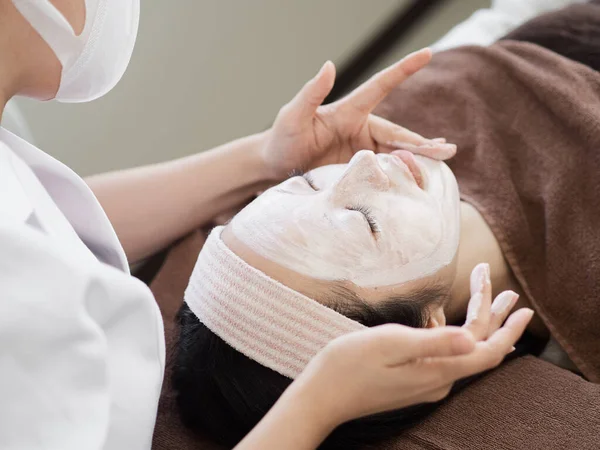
(322, 69)
(512, 349)
(504, 301)
(513, 317)
(479, 277)
(416, 52)
(429, 146)
(432, 146)
(439, 140)
(474, 307)
(449, 147)
(410, 55)
(446, 148)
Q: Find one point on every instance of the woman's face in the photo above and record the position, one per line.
(381, 220)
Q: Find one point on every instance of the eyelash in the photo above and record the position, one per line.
(307, 176)
(368, 215)
(310, 180)
(365, 211)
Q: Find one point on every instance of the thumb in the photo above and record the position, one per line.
(304, 105)
(401, 344)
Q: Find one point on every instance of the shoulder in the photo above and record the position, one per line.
(69, 320)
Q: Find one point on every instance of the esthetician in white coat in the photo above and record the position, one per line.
(81, 341)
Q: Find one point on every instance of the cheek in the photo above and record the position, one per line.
(411, 233)
(410, 217)
(73, 11)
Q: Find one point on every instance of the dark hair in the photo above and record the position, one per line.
(224, 394)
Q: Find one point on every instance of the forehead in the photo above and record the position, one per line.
(323, 291)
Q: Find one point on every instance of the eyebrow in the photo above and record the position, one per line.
(337, 291)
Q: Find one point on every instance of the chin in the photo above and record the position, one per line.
(437, 173)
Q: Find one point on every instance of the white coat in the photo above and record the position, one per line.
(81, 340)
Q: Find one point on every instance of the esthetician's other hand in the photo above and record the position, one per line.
(484, 317)
(393, 366)
(389, 367)
(306, 134)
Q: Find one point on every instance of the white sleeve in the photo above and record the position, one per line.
(81, 350)
(488, 25)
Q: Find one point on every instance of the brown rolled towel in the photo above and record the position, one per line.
(572, 32)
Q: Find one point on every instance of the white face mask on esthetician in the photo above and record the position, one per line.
(93, 62)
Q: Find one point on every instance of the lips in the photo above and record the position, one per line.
(409, 161)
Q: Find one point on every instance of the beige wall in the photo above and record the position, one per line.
(207, 71)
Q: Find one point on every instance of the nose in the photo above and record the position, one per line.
(363, 172)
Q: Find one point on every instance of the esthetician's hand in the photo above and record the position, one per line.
(393, 366)
(306, 135)
(390, 367)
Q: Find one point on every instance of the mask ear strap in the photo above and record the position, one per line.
(52, 27)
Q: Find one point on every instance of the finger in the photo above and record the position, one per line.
(225, 218)
(439, 394)
(503, 340)
(438, 151)
(399, 344)
(478, 311)
(369, 94)
(501, 307)
(304, 105)
(389, 134)
(386, 133)
(487, 354)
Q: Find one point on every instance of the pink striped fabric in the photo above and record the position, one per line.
(258, 316)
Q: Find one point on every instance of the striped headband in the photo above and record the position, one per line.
(258, 316)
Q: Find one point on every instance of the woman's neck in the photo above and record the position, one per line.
(477, 244)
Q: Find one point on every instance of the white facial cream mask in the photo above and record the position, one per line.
(367, 222)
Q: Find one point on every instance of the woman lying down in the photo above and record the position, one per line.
(394, 238)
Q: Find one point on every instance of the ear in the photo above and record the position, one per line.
(437, 318)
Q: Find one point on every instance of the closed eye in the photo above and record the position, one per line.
(366, 212)
(307, 177)
(310, 180)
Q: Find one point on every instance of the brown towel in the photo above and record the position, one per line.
(527, 124)
(526, 404)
